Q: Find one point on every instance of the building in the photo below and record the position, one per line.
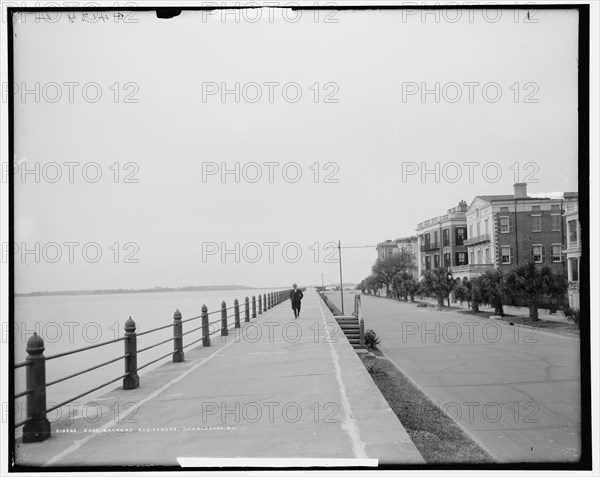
(572, 251)
(441, 240)
(508, 230)
(404, 245)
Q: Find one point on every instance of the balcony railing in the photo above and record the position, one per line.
(478, 239)
(430, 246)
(472, 268)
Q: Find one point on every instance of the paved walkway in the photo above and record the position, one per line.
(276, 388)
(515, 390)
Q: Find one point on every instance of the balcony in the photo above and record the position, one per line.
(430, 246)
(478, 239)
(473, 268)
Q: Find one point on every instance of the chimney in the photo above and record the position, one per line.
(520, 190)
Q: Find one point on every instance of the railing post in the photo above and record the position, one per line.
(205, 326)
(247, 309)
(265, 302)
(236, 312)
(38, 429)
(259, 304)
(178, 356)
(362, 333)
(132, 380)
(269, 303)
(224, 330)
(253, 306)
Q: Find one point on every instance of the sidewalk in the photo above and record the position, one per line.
(521, 312)
(276, 388)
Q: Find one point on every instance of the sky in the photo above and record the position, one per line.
(330, 134)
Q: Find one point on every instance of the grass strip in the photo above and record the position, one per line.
(439, 439)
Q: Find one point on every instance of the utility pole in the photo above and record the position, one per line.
(341, 281)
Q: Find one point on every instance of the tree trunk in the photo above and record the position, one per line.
(499, 309)
(475, 306)
(412, 297)
(533, 313)
(440, 300)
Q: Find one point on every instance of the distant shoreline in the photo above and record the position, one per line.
(119, 291)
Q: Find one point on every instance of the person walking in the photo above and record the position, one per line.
(296, 296)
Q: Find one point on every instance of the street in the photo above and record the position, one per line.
(515, 390)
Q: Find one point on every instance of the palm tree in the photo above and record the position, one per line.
(529, 283)
(469, 291)
(492, 290)
(438, 282)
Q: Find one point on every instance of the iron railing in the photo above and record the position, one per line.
(36, 426)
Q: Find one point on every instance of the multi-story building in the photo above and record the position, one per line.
(441, 240)
(507, 230)
(572, 251)
(403, 245)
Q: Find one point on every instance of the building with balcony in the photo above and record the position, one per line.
(572, 251)
(406, 246)
(508, 230)
(441, 240)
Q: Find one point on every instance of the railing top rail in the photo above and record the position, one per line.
(85, 348)
(170, 325)
(22, 364)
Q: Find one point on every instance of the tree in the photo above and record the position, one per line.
(411, 287)
(370, 285)
(438, 282)
(528, 283)
(470, 291)
(386, 269)
(493, 290)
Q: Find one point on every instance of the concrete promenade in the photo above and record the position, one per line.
(275, 388)
(514, 389)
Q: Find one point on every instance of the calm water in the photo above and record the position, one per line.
(69, 322)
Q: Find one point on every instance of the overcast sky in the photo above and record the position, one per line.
(363, 124)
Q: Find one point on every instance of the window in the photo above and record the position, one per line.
(428, 262)
(471, 231)
(447, 260)
(446, 237)
(556, 252)
(436, 261)
(435, 237)
(536, 208)
(461, 235)
(461, 258)
(555, 222)
(536, 222)
(478, 229)
(537, 253)
(479, 256)
(485, 227)
(574, 266)
(477, 214)
(472, 257)
(503, 209)
(504, 225)
(487, 255)
(572, 232)
(506, 255)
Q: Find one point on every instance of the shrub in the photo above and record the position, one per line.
(371, 340)
(373, 369)
(571, 314)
